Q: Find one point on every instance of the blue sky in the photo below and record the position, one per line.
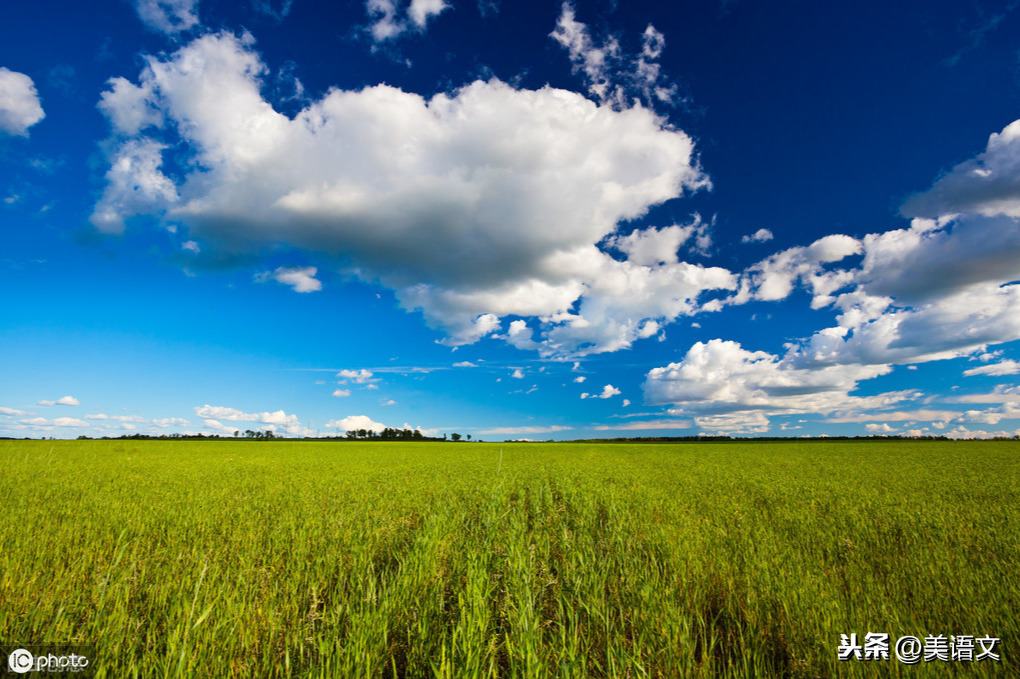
(510, 220)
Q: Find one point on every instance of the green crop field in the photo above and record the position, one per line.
(309, 559)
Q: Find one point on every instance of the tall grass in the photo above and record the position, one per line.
(274, 559)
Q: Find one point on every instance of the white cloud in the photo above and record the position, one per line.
(920, 415)
(883, 428)
(129, 107)
(626, 402)
(464, 364)
(218, 427)
(759, 236)
(168, 16)
(165, 422)
(580, 378)
(302, 279)
(962, 432)
(720, 377)
(471, 206)
(115, 418)
(392, 19)
(56, 422)
(191, 246)
(355, 422)
(596, 62)
(387, 402)
(62, 401)
(361, 376)
(933, 259)
(510, 431)
(611, 76)
(341, 393)
(608, 391)
(988, 184)
(517, 374)
(277, 418)
(20, 108)
(135, 184)
(11, 411)
(734, 423)
(653, 246)
(68, 422)
(1001, 394)
(1005, 367)
(421, 11)
(224, 413)
(774, 277)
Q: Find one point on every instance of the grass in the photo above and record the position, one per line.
(273, 559)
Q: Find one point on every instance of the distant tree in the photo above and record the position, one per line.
(469, 437)
(236, 433)
(455, 436)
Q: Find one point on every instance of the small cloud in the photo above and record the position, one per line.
(1005, 367)
(341, 393)
(56, 422)
(608, 391)
(165, 422)
(580, 378)
(517, 374)
(387, 402)
(62, 401)
(191, 246)
(11, 411)
(302, 279)
(388, 24)
(464, 364)
(355, 422)
(626, 402)
(759, 236)
(356, 376)
(168, 16)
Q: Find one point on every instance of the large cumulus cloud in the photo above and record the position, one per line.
(472, 205)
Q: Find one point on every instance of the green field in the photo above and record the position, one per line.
(266, 559)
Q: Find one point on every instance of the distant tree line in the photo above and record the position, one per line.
(387, 434)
